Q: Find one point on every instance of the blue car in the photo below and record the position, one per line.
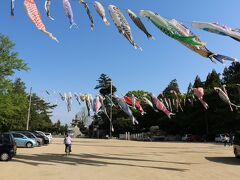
(23, 141)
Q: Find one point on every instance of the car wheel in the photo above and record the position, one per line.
(38, 144)
(4, 157)
(29, 145)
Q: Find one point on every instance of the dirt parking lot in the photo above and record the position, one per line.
(115, 159)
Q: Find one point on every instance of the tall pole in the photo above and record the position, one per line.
(206, 120)
(110, 132)
(29, 108)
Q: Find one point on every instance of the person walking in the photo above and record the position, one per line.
(231, 138)
(68, 143)
(226, 139)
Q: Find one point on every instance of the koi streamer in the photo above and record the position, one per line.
(88, 13)
(47, 8)
(34, 15)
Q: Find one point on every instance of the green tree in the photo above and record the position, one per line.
(104, 85)
(9, 61)
(198, 82)
(173, 85)
(189, 89)
(231, 75)
(83, 119)
(12, 97)
(213, 80)
(40, 114)
(13, 107)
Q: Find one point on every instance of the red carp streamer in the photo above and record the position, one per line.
(34, 15)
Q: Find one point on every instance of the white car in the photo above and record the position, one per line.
(186, 137)
(43, 134)
(221, 138)
(49, 135)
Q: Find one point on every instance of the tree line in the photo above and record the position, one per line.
(194, 119)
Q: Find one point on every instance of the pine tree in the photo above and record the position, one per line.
(198, 82)
(173, 85)
(104, 85)
(231, 75)
(213, 80)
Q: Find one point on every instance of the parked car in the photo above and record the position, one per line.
(8, 146)
(31, 136)
(192, 138)
(23, 141)
(186, 137)
(236, 144)
(44, 138)
(220, 138)
(49, 135)
(44, 135)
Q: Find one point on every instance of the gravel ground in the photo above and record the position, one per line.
(120, 160)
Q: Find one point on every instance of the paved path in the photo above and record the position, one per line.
(123, 160)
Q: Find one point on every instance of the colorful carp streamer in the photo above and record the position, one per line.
(201, 50)
(77, 98)
(137, 21)
(148, 102)
(35, 17)
(88, 13)
(12, 7)
(68, 98)
(170, 104)
(134, 103)
(178, 104)
(96, 104)
(126, 109)
(69, 13)
(122, 24)
(218, 29)
(103, 108)
(195, 44)
(47, 92)
(62, 97)
(199, 92)
(47, 8)
(164, 101)
(160, 106)
(224, 96)
(89, 103)
(101, 11)
(166, 27)
(109, 101)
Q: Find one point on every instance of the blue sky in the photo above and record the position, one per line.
(82, 55)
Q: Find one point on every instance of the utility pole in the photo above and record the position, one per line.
(110, 133)
(29, 108)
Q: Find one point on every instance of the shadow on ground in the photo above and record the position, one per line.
(83, 144)
(224, 160)
(94, 160)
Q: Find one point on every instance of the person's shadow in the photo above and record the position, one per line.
(224, 160)
(95, 160)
